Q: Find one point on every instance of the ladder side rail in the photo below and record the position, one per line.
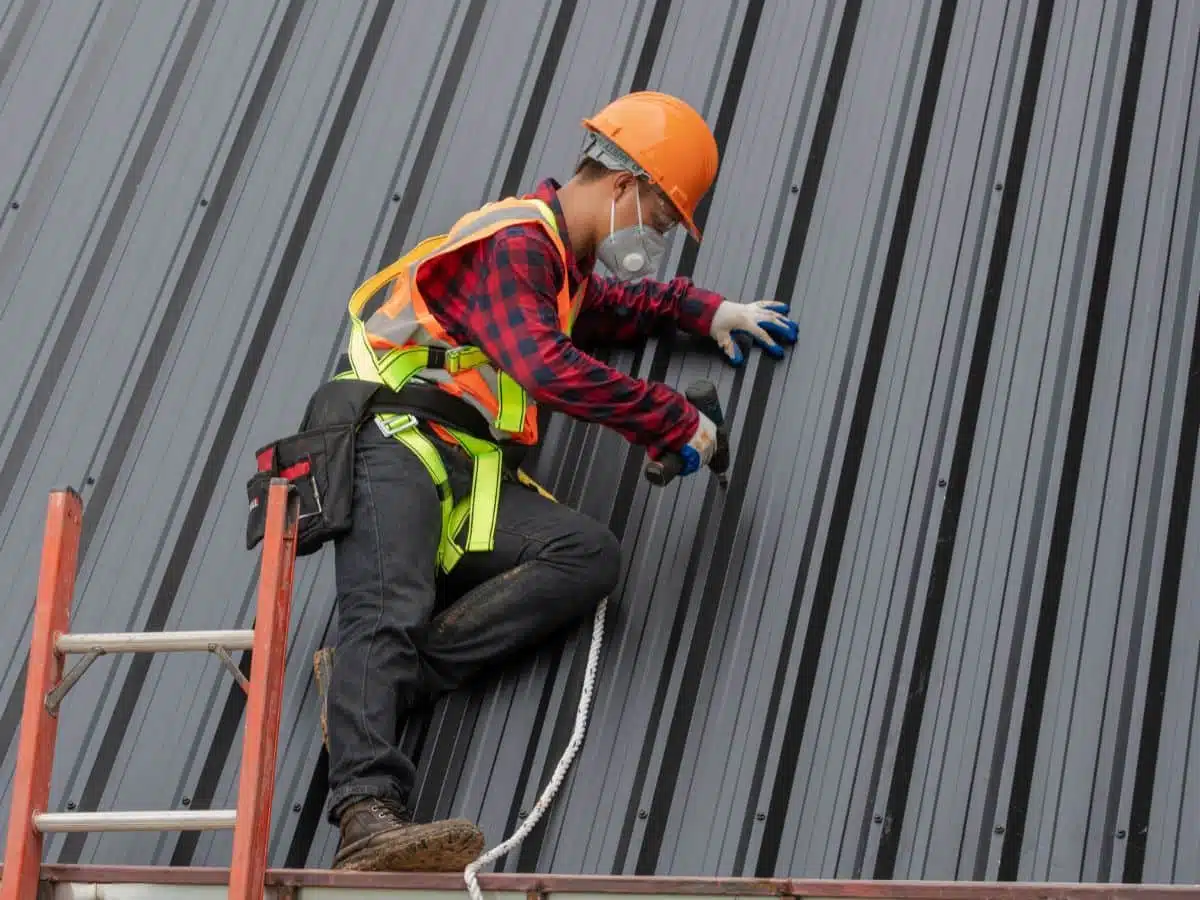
(39, 726)
(260, 742)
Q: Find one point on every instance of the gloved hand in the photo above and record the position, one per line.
(699, 449)
(762, 321)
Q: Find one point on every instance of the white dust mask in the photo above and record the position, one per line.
(632, 252)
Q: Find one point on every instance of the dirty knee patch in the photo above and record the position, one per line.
(322, 672)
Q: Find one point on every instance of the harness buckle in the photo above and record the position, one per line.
(437, 358)
(394, 423)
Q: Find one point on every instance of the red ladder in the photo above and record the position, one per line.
(46, 686)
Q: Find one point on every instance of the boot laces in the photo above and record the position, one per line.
(388, 810)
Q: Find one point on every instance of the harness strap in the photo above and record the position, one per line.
(483, 503)
(485, 492)
(404, 429)
(401, 364)
(396, 367)
(485, 488)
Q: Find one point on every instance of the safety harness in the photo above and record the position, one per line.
(439, 364)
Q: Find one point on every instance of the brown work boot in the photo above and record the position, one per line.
(380, 836)
(322, 670)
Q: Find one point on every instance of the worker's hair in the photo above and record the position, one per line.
(590, 170)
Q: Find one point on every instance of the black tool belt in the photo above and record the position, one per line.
(318, 460)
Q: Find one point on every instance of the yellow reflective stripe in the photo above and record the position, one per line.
(382, 363)
(491, 213)
(483, 504)
(511, 396)
(485, 500)
(419, 444)
(463, 359)
(362, 357)
(411, 360)
(367, 289)
(547, 213)
(449, 553)
(457, 516)
(400, 365)
(485, 490)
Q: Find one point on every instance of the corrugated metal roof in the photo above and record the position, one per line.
(942, 626)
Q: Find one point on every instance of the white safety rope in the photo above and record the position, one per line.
(560, 771)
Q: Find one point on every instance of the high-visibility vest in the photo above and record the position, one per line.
(402, 340)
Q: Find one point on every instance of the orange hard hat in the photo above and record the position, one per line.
(668, 141)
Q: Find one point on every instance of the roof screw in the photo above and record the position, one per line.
(642, 814)
(16, 205)
(522, 814)
(70, 804)
(795, 188)
(395, 198)
(878, 819)
(941, 482)
(999, 829)
(204, 201)
(187, 801)
(1121, 835)
(762, 817)
(999, 186)
(295, 807)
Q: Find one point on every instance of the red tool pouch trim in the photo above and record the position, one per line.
(320, 466)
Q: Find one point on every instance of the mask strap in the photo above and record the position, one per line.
(641, 232)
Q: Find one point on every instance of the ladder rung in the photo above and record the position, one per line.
(155, 641)
(164, 820)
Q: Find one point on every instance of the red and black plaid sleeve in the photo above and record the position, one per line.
(619, 312)
(511, 313)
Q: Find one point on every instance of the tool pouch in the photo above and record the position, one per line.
(318, 461)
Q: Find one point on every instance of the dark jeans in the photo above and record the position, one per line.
(550, 567)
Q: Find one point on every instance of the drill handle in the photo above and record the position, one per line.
(703, 395)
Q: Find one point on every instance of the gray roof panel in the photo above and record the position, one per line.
(940, 625)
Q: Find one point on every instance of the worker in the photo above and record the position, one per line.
(455, 560)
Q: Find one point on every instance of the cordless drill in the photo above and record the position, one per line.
(701, 394)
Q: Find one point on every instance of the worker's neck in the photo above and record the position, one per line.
(578, 205)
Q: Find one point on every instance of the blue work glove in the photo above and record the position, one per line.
(701, 446)
(762, 321)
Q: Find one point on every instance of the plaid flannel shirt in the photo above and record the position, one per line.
(501, 295)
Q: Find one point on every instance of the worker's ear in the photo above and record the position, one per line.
(623, 185)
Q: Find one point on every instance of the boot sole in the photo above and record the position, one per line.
(447, 846)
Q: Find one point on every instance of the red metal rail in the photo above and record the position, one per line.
(294, 882)
(260, 746)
